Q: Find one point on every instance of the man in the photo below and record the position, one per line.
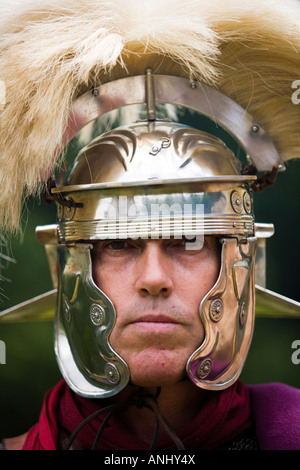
(155, 238)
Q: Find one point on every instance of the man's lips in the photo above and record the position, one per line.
(153, 318)
(154, 324)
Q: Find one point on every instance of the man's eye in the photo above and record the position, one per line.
(117, 245)
(182, 242)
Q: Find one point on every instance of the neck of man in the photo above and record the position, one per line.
(178, 404)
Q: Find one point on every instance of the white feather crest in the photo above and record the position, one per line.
(51, 50)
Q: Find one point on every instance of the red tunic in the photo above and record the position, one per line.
(225, 415)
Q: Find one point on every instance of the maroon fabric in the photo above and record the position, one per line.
(224, 415)
(276, 411)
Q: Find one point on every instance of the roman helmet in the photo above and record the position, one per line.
(152, 175)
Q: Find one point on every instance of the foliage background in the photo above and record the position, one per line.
(31, 367)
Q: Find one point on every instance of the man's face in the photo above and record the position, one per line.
(156, 287)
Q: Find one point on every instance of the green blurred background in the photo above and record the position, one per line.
(31, 367)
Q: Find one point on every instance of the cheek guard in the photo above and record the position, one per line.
(227, 313)
(84, 320)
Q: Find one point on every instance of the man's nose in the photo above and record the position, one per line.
(154, 272)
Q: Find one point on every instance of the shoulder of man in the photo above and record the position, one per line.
(276, 414)
(13, 443)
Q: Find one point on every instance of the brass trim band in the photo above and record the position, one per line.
(154, 227)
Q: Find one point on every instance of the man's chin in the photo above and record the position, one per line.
(157, 379)
(156, 366)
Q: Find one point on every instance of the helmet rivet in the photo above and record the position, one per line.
(112, 373)
(216, 310)
(247, 202)
(97, 314)
(154, 151)
(204, 368)
(236, 202)
(69, 212)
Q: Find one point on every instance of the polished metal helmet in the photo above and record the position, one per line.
(156, 178)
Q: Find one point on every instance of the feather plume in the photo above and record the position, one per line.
(51, 51)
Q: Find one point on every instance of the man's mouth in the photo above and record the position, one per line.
(155, 318)
(155, 323)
